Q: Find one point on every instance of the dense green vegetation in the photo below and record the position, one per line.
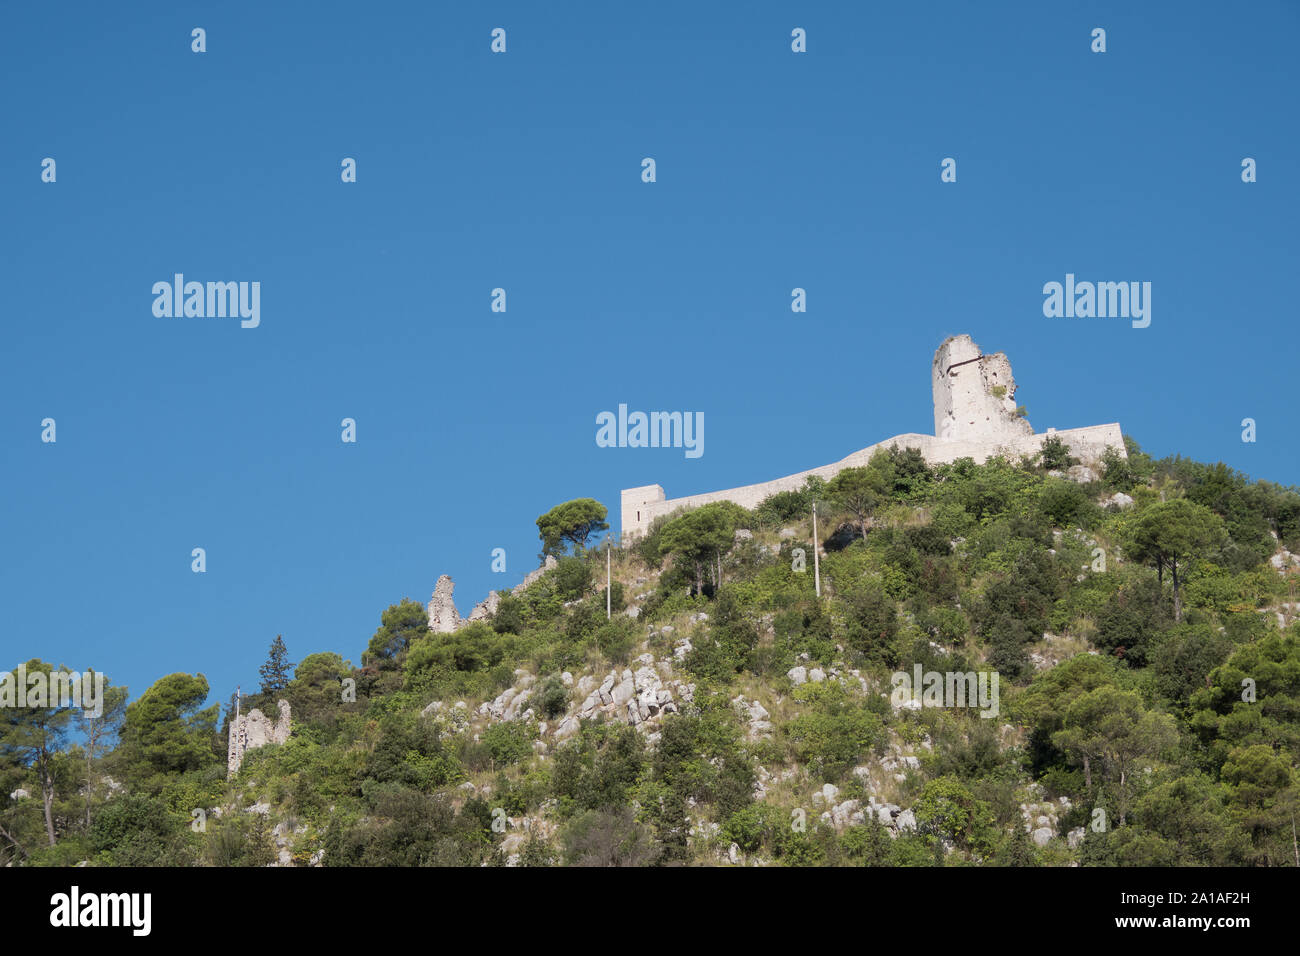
(1149, 657)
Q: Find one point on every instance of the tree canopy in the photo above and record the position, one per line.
(1171, 534)
(277, 671)
(573, 522)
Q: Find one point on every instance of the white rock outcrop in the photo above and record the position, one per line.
(635, 697)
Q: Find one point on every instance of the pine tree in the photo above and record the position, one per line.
(276, 672)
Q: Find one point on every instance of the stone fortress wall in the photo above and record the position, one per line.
(974, 416)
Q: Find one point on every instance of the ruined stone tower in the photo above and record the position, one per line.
(974, 394)
(252, 730)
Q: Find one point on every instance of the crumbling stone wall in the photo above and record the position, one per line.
(445, 619)
(252, 730)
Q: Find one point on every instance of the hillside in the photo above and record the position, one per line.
(1129, 632)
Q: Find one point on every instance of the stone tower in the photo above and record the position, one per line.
(443, 616)
(252, 730)
(974, 394)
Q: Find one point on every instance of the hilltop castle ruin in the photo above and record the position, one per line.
(975, 416)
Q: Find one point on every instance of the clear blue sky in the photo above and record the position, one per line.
(522, 170)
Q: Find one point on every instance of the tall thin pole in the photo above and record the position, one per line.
(607, 580)
(239, 699)
(817, 567)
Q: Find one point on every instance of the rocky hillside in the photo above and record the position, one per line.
(1029, 663)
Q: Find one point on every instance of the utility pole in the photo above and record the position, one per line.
(817, 567)
(607, 580)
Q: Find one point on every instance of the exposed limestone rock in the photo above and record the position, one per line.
(635, 697)
(622, 691)
(1040, 818)
(826, 794)
(757, 717)
(252, 730)
(847, 814)
(1284, 559)
(515, 709)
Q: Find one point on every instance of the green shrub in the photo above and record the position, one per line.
(1067, 505)
(551, 698)
(616, 638)
(509, 741)
(1056, 454)
(572, 578)
(836, 732)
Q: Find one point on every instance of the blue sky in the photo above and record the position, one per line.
(775, 170)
